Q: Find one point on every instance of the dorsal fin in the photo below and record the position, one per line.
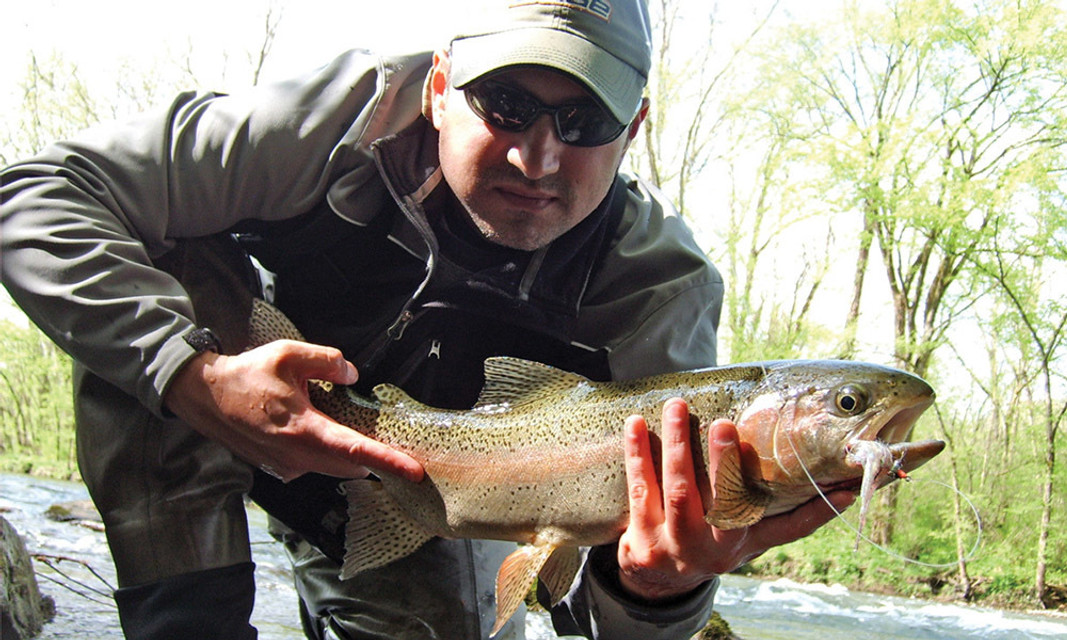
(393, 397)
(514, 382)
(267, 324)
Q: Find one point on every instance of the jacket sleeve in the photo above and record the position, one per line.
(597, 608)
(81, 223)
(654, 303)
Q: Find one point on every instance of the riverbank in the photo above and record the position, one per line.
(1016, 601)
(829, 557)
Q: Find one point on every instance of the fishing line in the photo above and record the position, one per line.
(90, 592)
(891, 553)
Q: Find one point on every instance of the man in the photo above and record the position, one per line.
(420, 214)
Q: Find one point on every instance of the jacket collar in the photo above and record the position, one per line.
(546, 285)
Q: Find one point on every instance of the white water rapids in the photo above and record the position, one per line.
(757, 610)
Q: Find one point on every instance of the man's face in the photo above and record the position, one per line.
(522, 189)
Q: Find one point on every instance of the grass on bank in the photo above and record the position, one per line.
(1000, 565)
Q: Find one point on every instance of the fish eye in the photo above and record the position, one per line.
(851, 399)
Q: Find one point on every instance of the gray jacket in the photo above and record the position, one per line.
(82, 224)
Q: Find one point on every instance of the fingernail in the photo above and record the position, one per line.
(722, 436)
(678, 407)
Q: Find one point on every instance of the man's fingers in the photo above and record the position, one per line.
(683, 507)
(381, 457)
(312, 361)
(722, 435)
(645, 507)
(337, 449)
(800, 522)
(352, 452)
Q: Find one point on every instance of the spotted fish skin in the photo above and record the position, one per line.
(539, 459)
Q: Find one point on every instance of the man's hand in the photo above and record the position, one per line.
(257, 405)
(668, 548)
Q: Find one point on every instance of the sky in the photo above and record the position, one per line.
(102, 33)
(98, 34)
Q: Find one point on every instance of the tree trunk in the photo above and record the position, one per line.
(1051, 425)
(966, 589)
(848, 349)
(1040, 588)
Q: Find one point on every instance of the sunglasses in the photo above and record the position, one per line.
(509, 108)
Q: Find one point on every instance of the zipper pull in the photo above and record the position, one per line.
(396, 330)
(435, 350)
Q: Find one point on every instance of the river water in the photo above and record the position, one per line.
(755, 609)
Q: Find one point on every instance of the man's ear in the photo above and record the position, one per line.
(436, 89)
(635, 125)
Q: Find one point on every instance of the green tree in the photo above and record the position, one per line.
(36, 414)
(56, 103)
(927, 114)
(698, 133)
(1026, 263)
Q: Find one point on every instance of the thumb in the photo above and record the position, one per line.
(722, 435)
(313, 361)
(723, 441)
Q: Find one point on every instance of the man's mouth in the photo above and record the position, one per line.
(530, 199)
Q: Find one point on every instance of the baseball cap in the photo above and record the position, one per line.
(604, 44)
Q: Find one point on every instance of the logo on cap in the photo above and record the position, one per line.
(598, 8)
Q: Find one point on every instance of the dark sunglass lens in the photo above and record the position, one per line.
(502, 106)
(570, 125)
(512, 109)
(586, 126)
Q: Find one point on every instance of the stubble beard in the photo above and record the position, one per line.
(514, 227)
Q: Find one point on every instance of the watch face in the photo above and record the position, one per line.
(203, 339)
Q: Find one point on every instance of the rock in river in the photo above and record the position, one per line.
(23, 611)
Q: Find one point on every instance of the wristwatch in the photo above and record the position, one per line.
(203, 339)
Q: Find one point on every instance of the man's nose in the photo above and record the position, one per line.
(536, 151)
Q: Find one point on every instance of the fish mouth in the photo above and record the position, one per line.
(899, 425)
(888, 456)
(907, 456)
(889, 436)
(912, 455)
(897, 429)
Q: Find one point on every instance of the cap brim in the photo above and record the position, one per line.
(615, 83)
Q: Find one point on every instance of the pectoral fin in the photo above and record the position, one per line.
(736, 504)
(378, 530)
(513, 581)
(558, 572)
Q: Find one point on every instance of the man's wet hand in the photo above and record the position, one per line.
(257, 405)
(669, 548)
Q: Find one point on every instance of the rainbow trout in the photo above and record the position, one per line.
(539, 460)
